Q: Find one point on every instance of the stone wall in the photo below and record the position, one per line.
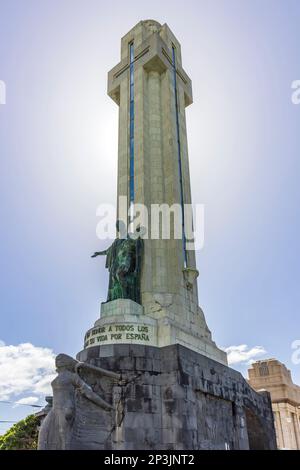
(170, 398)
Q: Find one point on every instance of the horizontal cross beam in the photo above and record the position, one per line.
(154, 55)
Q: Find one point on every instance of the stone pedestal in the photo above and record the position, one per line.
(123, 321)
(170, 398)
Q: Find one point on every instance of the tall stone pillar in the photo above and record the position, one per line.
(152, 91)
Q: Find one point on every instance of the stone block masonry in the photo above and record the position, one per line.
(171, 398)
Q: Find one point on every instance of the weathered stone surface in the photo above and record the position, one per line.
(81, 410)
(161, 176)
(172, 398)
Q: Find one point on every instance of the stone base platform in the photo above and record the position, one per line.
(123, 321)
(169, 398)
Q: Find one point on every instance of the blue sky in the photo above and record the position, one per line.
(58, 148)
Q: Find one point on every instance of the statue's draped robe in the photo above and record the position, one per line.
(123, 260)
(56, 429)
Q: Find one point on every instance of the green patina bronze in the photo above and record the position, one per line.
(123, 261)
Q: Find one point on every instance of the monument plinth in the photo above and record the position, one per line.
(122, 321)
(150, 376)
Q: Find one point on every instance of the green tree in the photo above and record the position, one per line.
(22, 435)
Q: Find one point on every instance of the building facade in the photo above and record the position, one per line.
(273, 376)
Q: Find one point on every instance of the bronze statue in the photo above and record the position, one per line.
(123, 261)
(62, 414)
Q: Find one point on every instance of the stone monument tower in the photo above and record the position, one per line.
(150, 375)
(152, 91)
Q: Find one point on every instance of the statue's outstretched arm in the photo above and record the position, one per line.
(92, 396)
(101, 371)
(88, 392)
(99, 253)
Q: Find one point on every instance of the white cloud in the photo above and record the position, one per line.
(27, 401)
(242, 354)
(25, 369)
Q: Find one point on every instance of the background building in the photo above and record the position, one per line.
(273, 376)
